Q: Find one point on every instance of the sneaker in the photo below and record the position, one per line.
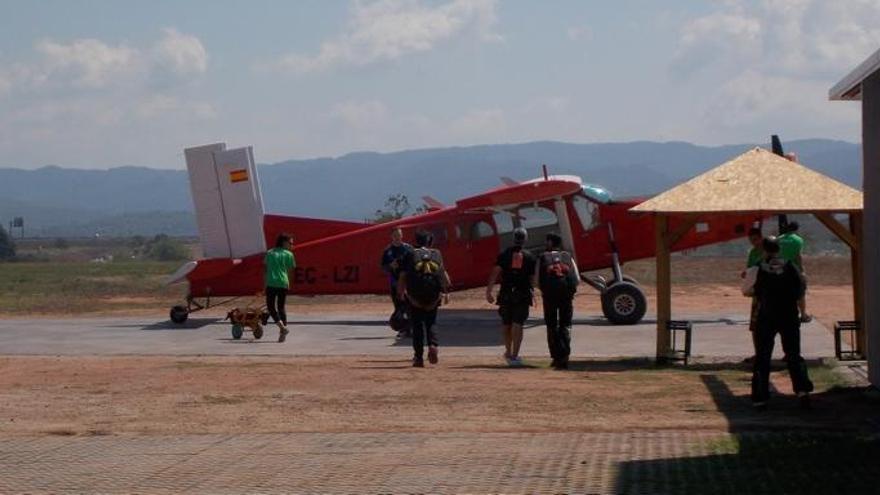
(804, 400)
(515, 362)
(418, 363)
(432, 354)
(561, 365)
(282, 335)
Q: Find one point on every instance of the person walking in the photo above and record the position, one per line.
(516, 267)
(279, 262)
(777, 289)
(558, 277)
(424, 283)
(392, 264)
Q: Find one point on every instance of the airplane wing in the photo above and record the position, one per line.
(432, 203)
(527, 192)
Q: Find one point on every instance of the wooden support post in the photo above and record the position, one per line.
(664, 286)
(855, 228)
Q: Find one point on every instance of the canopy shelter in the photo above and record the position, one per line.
(757, 182)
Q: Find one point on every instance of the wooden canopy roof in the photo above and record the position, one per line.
(757, 181)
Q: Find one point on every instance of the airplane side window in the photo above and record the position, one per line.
(536, 217)
(481, 229)
(587, 211)
(503, 222)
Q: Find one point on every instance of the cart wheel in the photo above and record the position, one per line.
(179, 314)
(258, 331)
(237, 331)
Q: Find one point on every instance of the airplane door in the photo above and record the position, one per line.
(481, 246)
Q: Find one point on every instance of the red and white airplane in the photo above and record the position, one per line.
(342, 257)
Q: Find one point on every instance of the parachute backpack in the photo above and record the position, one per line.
(557, 277)
(423, 283)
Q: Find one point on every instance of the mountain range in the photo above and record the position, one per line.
(57, 201)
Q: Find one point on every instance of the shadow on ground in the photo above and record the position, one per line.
(831, 449)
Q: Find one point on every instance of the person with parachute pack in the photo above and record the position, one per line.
(516, 266)
(558, 277)
(425, 284)
(392, 264)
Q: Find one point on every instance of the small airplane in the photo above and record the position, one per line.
(342, 257)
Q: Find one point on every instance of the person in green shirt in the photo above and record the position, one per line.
(279, 262)
(791, 245)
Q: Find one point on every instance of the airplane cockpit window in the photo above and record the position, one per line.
(503, 222)
(587, 212)
(439, 234)
(536, 217)
(481, 229)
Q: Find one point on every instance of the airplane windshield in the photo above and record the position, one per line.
(597, 194)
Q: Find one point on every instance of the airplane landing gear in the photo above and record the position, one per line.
(179, 314)
(623, 301)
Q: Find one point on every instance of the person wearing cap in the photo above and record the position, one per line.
(516, 267)
(791, 246)
(777, 289)
(557, 275)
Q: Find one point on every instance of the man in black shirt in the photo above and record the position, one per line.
(777, 290)
(516, 267)
(558, 277)
(392, 264)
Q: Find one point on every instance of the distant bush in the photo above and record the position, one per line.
(164, 248)
(7, 246)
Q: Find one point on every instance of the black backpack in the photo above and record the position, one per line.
(557, 277)
(423, 282)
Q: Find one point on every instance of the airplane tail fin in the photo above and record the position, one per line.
(227, 198)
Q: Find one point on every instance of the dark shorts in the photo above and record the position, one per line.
(514, 313)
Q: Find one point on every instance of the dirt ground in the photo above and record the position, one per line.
(147, 395)
(151, 395)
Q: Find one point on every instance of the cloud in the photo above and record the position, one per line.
(480, 124)
(809, 38)
(579, 33)
(361, 115)
(92, 64)
(387, 30)
(180, 54)
(87, 63)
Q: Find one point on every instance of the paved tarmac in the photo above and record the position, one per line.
(462, 333)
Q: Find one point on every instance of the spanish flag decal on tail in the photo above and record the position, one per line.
(240, 175)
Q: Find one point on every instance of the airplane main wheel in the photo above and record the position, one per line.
(237, 331)
(624, 303)
(179, 314)
(258, 332)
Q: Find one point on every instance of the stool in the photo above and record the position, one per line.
(675, 327)
(852, 329)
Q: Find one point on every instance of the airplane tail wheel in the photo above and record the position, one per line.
(237, 331)
(179, 314)
(258, 332)
(624, 303)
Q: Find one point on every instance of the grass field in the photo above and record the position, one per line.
(84, 287)
(64, 286)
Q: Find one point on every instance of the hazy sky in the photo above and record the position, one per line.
(106, 83)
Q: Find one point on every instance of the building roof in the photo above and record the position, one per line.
(756, 181)
(850, 87)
